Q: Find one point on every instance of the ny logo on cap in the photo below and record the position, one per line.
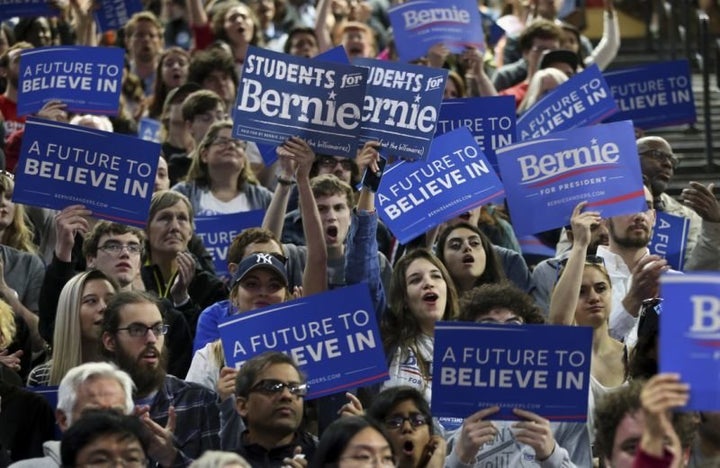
(264, 258)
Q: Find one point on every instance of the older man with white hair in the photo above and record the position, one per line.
(90, 386)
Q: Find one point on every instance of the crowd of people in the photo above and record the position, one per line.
(124, 321)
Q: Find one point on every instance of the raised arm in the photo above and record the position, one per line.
(479, 84)
(196, 12)
(315, 274)
(567, 290)
(323, 25)
(275, 214)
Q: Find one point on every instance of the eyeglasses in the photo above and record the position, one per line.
(415, 420)
(329, 162)
(139, 330)
(273, 387)
(662, 156)
(116, 248)
(104, 462)
(225, 142)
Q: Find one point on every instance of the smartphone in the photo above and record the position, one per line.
(371, 179)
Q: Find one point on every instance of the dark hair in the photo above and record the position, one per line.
(480, 300)
(217, 23)
(102, 228)
(388, 399)
(236, 251)
(95, 424)
(161, 90)
(294, 32)
(540, 28)
(200, 102)
(207, 61)
(494, 272)
(399, 325)
(338, 435)
(111, 316)
(250, 370)
(623, 401)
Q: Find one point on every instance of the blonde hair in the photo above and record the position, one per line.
(67, 339)
(535, 91)
(7, 325)
(17, 235)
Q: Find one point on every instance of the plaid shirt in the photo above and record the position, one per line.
(197, 427)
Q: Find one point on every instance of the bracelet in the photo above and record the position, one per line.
(283, 181)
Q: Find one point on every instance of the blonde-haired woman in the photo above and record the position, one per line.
(220, 179)
(14, 230)
(542, 83)
(76, 339)
(15, 349)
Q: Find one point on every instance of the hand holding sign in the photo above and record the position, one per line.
(536, 432)
(297, 149)
(660, 395)
(70, 221)
(583, 224)
(476, 432)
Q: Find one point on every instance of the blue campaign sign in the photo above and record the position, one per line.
(337, 55)
(416, 196)
(491, 121)
(583, 100)
(531, 245)
(539, 368)
(113, 175)
(401, 106)
(26, 8)
(332, 336)
(114, 14)
(217, 233)
(420, 24)
(280, 96)
(669, 238)
(545, 178)
(87, 79)
(149, 129)
(655, 95)
(690, 335)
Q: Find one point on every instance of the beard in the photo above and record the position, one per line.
(629, 242)
(146, 378)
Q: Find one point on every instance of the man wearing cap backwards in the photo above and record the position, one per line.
(699, 204)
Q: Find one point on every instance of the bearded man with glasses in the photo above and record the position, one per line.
(184, 418)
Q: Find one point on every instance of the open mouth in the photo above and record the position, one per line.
(430, 297)
(151, 356)
(331, 232)
(468, 259)
(355, 50)
(408, 447)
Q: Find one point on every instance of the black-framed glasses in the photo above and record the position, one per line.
(273, 387)
(662, 156)
(330, 162)
(139, 330)
(415, 420)
(116, 248)
(225, 142)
